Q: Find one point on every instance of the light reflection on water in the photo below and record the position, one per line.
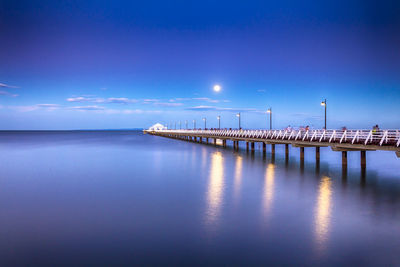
(269, 189)
(96, 198)
(238, 177)
(323, 211)
(215, 187)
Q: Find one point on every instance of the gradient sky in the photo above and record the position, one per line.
(127, 64)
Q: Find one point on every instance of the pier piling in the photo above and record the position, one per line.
(363, 159)
(344, 158)
(302, 153)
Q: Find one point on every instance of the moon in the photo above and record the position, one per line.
(217, 88)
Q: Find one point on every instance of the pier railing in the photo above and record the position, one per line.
(339, 140)
(382, 138)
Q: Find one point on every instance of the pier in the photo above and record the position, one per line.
(344, 141)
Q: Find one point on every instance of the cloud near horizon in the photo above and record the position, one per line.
(8, 94)
(168, 104)
(205, 99)
(214, 108)
(110, 100)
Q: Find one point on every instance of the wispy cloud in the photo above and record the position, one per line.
(203, 99)
(86, 108)
(120, 100)
(151, 100)
(3, 85)
(8, 94)
(261, 90)
(110, 100)
(213, 108)
(28, 108)
(206, 99)
(48, 106)
(168, 104)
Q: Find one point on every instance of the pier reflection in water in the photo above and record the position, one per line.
(95, 198)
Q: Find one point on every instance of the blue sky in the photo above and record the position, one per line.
(127, 64)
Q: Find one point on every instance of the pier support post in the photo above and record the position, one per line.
(200, 140)
(344, 158)
(302, 153)
(215, 141)
(273, 149)
(224, 143)
(286, 150)
(363, 159)
(317, 154)
(264, 148)
(247, 146)
(252, 146)
(207, 140)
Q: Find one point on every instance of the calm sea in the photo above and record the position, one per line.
(121, 197)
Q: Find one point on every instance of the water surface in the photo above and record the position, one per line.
(120, 197)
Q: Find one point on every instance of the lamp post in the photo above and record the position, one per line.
(270, 118)
(219, 122)
(180, 125)
(194, 124)
(186, 123)
(323, 103)
(205, 123)
(175, 125)
(238, 115)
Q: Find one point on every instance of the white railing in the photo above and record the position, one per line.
(364, 137)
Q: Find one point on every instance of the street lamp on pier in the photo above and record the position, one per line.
(205, 123)
(219, 122)
(194, 124)
(180, 125)
(238, 115)
(270, 118)
(175, 125)
(323, 103)
(186, 123)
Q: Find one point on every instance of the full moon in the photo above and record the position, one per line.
(217, 88)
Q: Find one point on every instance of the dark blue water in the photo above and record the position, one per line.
(108, 198)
